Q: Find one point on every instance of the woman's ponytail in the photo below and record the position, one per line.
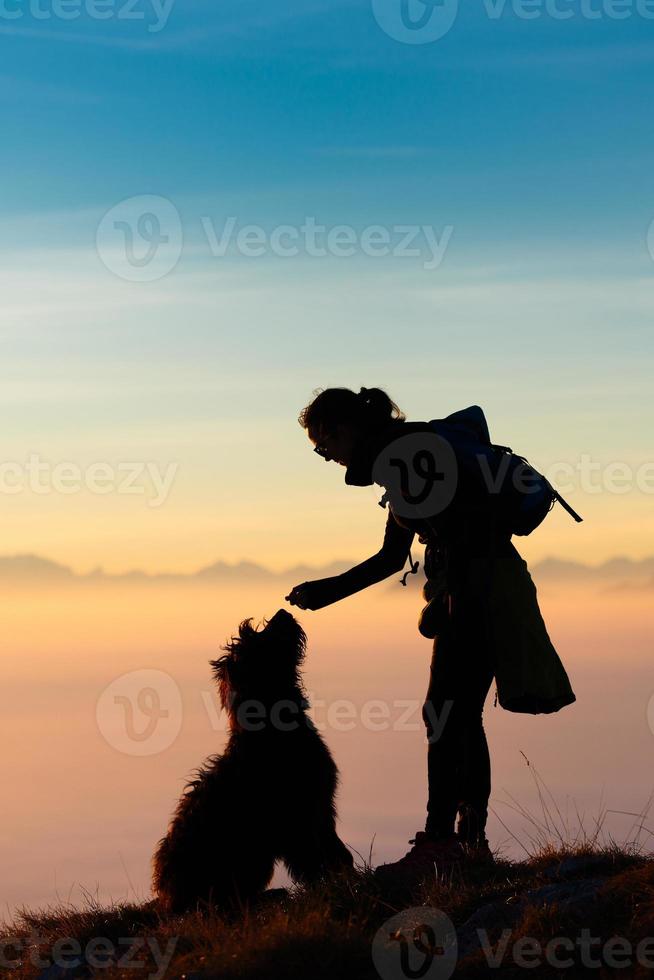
(370, 408)
(378, 407)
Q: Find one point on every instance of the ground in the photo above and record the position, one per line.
(593, 905)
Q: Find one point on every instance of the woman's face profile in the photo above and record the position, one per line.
(336, 446)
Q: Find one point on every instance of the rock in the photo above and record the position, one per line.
(584, 864)
(54, 972)
(573, 897)
(490, 919)
(567, 894)
(272, 898)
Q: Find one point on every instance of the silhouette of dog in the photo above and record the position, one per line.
(269, 796)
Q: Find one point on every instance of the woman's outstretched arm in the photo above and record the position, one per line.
(390, 559)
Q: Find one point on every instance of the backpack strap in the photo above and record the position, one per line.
(566, 506)
(412, 570)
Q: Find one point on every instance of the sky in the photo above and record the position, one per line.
(161, 349)
(89, 801)
(209, 210)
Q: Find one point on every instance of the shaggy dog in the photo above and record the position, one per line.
(269, 796)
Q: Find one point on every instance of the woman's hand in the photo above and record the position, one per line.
(312, 595)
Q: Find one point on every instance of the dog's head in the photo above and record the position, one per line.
(261, 664)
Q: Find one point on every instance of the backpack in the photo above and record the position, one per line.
(524, 496)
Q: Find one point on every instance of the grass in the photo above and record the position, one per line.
(328, 931)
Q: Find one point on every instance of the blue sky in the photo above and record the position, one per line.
(531, 139)
(534, 120)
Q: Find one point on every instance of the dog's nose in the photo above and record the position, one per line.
(282, 615)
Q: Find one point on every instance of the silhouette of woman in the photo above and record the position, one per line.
(462, 547)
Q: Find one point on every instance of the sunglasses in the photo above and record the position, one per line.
(321, 450)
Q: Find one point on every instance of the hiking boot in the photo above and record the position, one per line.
(478, 851)
(428, 858)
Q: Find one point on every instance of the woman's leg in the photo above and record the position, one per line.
(458, 761)
(475, 781)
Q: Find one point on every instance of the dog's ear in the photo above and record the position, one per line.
(219, 668)
(246, 629)
(221, 675)
(221, 665)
